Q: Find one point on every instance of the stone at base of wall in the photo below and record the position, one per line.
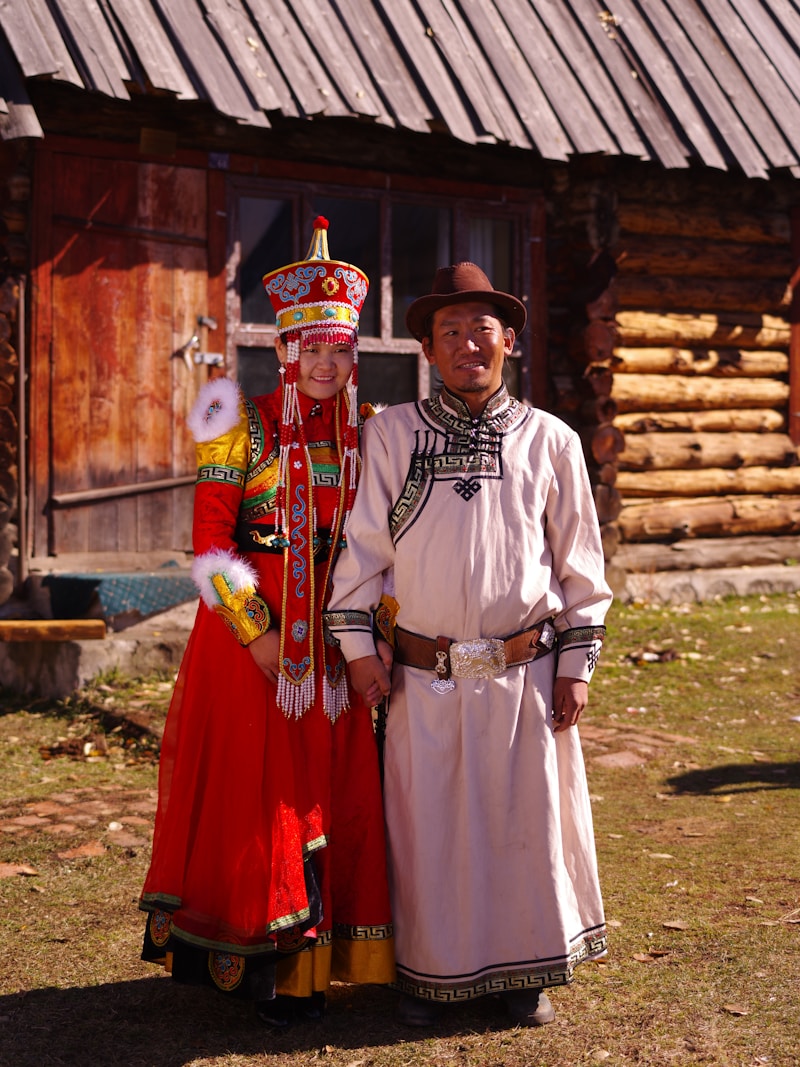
(686, 587)
(55, 669)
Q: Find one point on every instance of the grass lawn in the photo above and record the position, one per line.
(691, 741)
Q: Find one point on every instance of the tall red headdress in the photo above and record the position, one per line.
(315, 300)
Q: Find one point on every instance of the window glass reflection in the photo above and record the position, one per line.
(265, 233)
(257, 370)
(491, 248)
(354, 237)
(421, 242)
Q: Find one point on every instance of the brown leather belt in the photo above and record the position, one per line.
(481, 657)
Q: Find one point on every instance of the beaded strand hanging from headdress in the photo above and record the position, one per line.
(315, 300)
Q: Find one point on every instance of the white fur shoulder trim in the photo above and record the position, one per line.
(237, 572)
(216, 411)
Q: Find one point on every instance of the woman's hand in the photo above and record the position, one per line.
(266, 651)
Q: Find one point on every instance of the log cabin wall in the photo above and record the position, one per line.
(581, 228)
(14, 228)
(707, 479)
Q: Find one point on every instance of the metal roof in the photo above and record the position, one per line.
(672, 81)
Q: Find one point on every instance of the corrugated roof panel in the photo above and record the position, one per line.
(306, 78)
(94, 48)
(514, 74)
(722, 63)
(209, 67)
(665, 143)
(248, 55)
(154, 51)
(720, 117)
(426, 67)
(576, 49)
(574, 107)
(386, 65)
(17, 116)
(328, 36)
(658, 66)
(37, 41)
(785, 45)
(451, 35)
(669, 80)
(761, 79)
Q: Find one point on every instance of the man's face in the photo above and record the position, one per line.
(468, 344)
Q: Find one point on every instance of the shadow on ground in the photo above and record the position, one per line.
(155, 1022)
(737, 778)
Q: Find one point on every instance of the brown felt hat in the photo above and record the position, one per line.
(463, 283)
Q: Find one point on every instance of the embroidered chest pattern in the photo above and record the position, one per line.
(466, 453)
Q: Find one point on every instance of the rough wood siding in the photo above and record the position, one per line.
(14, 204)
(700, 372)
(582, 327)
(122, 275)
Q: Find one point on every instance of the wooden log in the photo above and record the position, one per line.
(596, 343)
(52, 629)
(666, 392)
(762, 420)
(686, 257)
(610, 538)
(713, 221)
(707, 552)
(691, 451)
(606, 474)
(713, 331)
(598, 409)
(707, 482)
(712, 294)
(723, 362)
(675, 519)
(599, 378)
(608, 503)
(606, 305)
(603, 443)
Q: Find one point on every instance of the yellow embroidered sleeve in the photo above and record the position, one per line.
(242, 610)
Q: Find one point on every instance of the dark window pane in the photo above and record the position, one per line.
(420, 245)
(354, 237)
(490, 246)
(386, 379)
(265, 232)
(257, 370)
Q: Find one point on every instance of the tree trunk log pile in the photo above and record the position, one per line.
(686, 382)
(701, 385)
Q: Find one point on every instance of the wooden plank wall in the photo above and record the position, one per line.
(14, 210)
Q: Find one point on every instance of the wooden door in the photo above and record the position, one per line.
(121, 278)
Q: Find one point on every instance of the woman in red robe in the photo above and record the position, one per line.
(268, 875)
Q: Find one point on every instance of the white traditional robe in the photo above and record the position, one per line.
(488, 527)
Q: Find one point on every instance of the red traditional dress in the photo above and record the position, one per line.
(269, 841)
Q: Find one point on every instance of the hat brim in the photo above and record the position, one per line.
(513, 311)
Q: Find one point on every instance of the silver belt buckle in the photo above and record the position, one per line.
(480, 657)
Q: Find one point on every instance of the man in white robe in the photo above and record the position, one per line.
(480, 510)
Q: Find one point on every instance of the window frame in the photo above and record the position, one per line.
(524, 208)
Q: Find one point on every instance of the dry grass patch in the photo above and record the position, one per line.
(692, 746)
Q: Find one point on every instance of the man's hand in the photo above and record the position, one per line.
(570, 697)
(370, 677)
(266, 651)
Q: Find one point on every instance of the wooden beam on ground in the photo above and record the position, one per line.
(52, 629)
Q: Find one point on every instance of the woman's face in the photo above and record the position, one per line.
(324, 368)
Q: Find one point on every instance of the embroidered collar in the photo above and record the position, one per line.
(496, 405)
(447, 412)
